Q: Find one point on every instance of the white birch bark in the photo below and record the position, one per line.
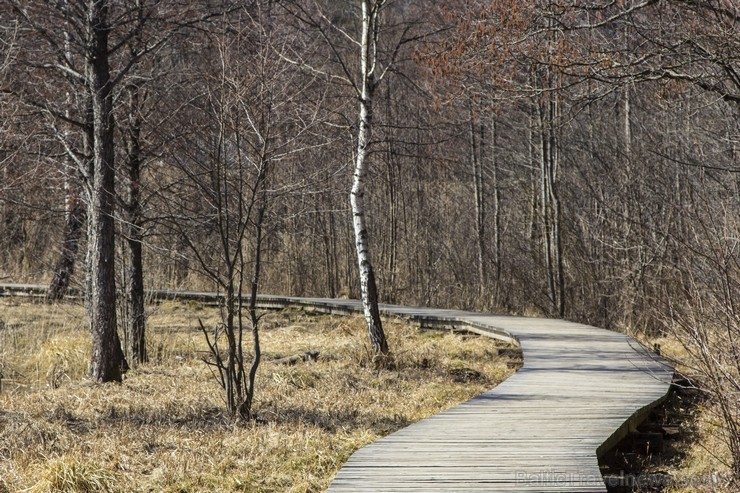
(368, 288)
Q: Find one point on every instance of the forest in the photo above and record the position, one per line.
(567, 159)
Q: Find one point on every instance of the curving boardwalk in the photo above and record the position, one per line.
(581, 390)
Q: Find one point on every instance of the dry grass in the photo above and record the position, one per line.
(702, 467)
(702, 462)
(164, 429)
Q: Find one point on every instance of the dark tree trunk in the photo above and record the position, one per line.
(108, 363)
(136, 323)
(136, 327)
(65, 266)
(496, 209)
(246, 408)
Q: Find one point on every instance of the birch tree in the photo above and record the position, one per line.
(368, 83)
(363, 50)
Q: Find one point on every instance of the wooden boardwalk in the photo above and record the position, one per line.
(580, 391)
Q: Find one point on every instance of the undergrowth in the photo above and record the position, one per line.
(700, 461)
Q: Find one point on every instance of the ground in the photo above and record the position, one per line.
(165, 429)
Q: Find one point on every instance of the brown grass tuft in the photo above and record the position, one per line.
(69, 475)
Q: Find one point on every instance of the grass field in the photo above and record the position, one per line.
(164, 428)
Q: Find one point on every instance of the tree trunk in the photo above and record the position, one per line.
(534, 204)
(546, 205)
(550, 118)
(496, 210)
(368, 288)
(74, 217)
(551, 210)
(392, 198)
(476, 158)
(626, 125)
(136, 323)
(65, 266)
(554, 162)
(325, 223)
(108, 363)
(246, 407)
(392, 239)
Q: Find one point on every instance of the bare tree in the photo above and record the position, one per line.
(83, 61)
(108, 362)
(367, 84)
(94, 56)
(704, 317)
(135, 315)
(74, 207)
(8, 148)
(253, 115)
(363, 50)
(140, 97)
